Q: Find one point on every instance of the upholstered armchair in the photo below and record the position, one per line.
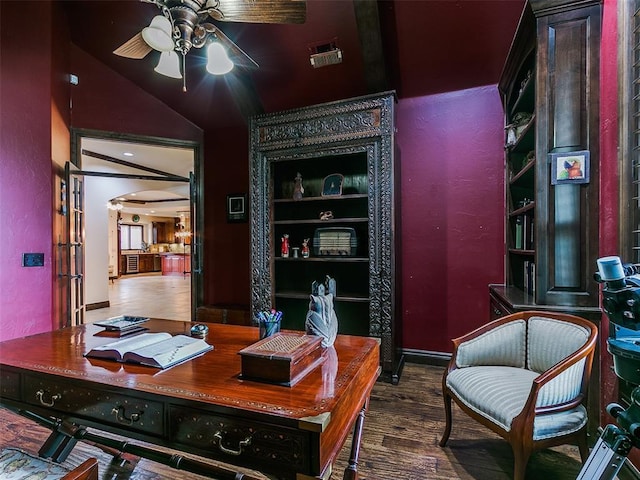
(524, 376)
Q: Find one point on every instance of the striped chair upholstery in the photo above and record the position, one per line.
(524, 376)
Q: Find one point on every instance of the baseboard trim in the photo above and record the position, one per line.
(96, 306)
(426, 357)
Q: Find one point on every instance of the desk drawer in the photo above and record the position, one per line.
(104, 407)
(223, 437)
(10, 385)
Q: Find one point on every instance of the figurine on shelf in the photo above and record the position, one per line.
(328, 215)
(305, 248)
(284, 248)
(298, 189)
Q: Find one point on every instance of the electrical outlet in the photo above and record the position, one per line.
(33, 259)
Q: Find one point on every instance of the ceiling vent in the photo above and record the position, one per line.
(325, 54)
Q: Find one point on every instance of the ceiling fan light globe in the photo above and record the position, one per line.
(158, 34)
(169, 65)
(218, 62)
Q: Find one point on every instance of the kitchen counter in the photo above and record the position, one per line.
(176, 263)
(134, 262)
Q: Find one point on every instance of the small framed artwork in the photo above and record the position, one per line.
(569, 167)
(237, 207)
(332, 185)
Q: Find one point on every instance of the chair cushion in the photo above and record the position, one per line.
(496, 393)
(16, 464)
(505, 345)
(500, 393)
(550, 340)
(562, 423)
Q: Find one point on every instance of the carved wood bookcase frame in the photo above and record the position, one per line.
(361, 125)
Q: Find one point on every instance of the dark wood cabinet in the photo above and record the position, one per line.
(145, 263)
(159, 232)
(163, 232)
(549, 89)
(345, 153)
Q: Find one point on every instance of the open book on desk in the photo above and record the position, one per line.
(160, 350)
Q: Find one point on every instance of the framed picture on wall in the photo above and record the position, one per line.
(569, 167)
(237, 207)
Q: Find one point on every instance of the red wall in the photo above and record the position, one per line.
(452, 224)
(226, 274)
(26, 177)
(452, 213)
(35, 97)
(104, 100)
(609, 208)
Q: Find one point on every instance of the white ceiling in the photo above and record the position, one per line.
(173, 161)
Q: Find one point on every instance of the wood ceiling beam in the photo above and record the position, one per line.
(107, 158)
(245, 95)
(368, 22)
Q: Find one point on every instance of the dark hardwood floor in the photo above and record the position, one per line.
(400, 441)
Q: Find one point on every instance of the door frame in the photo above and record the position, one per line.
(196, 193)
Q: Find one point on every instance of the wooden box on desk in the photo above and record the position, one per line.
(282, 358)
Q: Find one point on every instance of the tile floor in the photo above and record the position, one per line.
(150, 295)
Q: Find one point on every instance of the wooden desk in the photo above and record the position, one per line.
(200, 406)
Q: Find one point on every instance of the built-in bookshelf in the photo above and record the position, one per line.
(353, 140)
(549, 89)
(520, 161)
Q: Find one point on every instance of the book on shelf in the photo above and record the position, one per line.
(529, 280)
(160, 350)
(519, 232)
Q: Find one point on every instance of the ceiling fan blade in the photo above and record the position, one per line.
(235, 50)
(135, 48)
(258, 11)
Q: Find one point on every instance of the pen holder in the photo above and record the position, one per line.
(269, 323)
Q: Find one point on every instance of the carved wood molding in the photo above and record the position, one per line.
(360, 125)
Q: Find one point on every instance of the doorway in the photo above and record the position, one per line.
(140, 207)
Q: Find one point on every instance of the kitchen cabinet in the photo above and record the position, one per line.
(145, 263)
(139, 263)
(176, 264)
(163, 232)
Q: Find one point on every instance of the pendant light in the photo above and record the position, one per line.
(218, 62)
(169, 64)
(158, 34)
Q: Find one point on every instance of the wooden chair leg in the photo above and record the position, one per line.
(447, 413)
(521, 457)
(583, 447)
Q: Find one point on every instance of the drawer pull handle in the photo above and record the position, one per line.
(40, 394)
(243, 443)
(120, 416)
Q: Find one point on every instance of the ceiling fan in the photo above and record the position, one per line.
(184, 24)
